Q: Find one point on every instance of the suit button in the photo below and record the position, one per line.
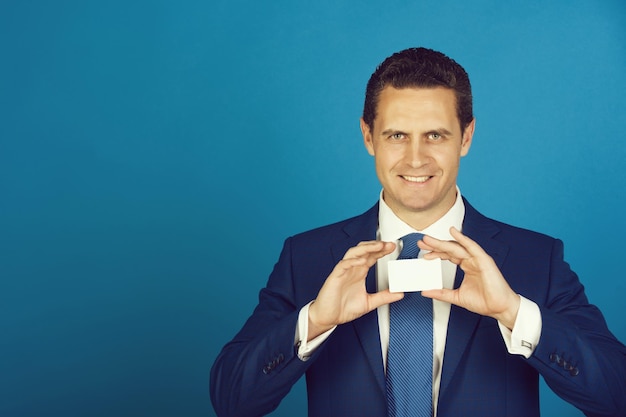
(574, 371)
(554, 357)
(267, 369)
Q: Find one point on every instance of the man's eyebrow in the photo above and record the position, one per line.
(441, 131)
(391, 131)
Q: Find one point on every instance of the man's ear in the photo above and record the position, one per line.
(468, 134)
(367, 137)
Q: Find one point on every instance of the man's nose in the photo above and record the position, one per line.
(417, 153)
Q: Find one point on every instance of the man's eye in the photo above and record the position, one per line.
(397, 136)
(434, 136)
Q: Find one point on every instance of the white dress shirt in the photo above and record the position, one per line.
(521, 340)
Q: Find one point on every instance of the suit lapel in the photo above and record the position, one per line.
(462, 323)
(363, 228)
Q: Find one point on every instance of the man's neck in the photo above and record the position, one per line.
(420, 220)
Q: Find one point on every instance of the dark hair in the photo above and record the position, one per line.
(422, 68)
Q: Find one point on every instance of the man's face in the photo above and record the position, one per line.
(417, 144)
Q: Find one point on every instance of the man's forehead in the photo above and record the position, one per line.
(416, 102)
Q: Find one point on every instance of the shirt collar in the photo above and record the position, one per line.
(391, 228)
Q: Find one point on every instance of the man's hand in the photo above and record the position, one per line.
(483, 290)
(343, 296)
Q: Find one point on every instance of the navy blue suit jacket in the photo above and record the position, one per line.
(577, 355)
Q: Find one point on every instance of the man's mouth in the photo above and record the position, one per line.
(416, 179)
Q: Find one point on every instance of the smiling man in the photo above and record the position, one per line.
(507, 308)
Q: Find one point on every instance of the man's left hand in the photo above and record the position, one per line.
(483, 290)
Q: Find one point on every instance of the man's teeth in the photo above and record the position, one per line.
(415, 179)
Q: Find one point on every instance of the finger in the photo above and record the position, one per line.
(433, 251)
(354, 268)
(449, 248)
(375, 248)
(444, 294)
(424, 246)
(369, 243)
(345, 265)
(384, 297)
(472, 247)
(374, 256)
(443, 256)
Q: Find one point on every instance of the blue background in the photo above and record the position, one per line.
(140, 140)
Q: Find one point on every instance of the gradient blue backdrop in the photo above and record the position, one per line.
(140, 140)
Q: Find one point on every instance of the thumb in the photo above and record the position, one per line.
(384, 297)
(443, 294)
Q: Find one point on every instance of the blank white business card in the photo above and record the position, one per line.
(408, 275)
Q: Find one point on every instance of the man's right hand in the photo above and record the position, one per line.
(343, 296)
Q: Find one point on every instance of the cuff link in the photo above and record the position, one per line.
(527, 344)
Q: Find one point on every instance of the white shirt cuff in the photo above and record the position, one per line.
(306, 349)
(523, 339)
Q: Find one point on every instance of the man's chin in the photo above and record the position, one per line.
(415, 207)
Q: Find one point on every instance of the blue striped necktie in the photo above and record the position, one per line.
(410, 354)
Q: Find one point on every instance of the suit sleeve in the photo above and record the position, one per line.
(255, 370)
(577, 355)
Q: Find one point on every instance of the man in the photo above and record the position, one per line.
(510, 308)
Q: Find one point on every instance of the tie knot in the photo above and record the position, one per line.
(409, 246)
